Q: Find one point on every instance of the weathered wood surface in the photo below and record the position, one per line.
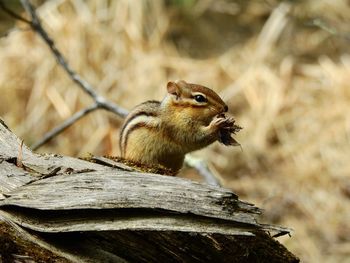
(111, 213)
(115, 189)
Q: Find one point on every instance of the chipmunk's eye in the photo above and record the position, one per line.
(200, 98)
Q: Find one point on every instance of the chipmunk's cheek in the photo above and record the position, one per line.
(206, 117)
(212, 112)
(212, 115)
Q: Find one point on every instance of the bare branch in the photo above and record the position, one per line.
(64, 125)
(100, 101)
(83, 84)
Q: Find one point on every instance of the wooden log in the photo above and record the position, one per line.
(84, 211)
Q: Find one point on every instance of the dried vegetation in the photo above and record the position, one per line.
(283, 68)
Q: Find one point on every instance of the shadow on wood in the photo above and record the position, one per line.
(58, 208)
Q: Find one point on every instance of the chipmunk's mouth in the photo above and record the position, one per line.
(217, 112)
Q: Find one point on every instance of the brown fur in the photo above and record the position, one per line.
(163, 132)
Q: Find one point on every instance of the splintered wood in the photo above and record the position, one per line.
(107, 211)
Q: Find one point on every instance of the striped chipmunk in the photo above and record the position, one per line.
(189, 118)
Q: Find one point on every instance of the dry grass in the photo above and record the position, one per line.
(286, 83)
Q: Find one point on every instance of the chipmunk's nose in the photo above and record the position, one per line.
(225, 108)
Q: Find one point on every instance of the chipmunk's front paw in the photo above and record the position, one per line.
(225, 126)
(221, 122)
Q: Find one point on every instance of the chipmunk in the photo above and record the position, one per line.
(189, 118)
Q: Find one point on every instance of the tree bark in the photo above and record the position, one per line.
(59, 208)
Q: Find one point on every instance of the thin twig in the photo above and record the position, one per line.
(100, 101)
(64, 125)
(83, 84)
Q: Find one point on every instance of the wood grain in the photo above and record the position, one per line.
(111, 213)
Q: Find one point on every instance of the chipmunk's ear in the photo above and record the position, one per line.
(173, 88)
(182, 84)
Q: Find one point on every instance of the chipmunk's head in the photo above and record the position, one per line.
(198, 101)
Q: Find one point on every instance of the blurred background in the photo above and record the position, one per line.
(283, 67)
